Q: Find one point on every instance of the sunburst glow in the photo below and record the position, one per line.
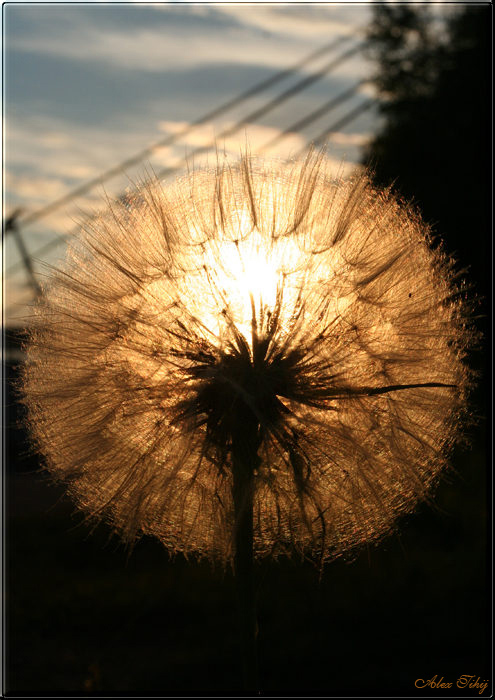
(263, 304)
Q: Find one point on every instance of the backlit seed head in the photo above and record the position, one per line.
(260, 294)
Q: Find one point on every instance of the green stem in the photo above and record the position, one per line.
(244, 461)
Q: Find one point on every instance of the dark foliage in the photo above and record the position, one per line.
(435, 142)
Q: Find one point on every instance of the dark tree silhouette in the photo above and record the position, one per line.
(433, 74)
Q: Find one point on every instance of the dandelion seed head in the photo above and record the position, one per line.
(263, 294)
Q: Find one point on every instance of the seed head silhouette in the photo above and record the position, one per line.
(259, 342)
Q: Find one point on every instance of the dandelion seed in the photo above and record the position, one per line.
(259, 341)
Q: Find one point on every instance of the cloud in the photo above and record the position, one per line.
(309, 20)
(50, 163)
(342, 139)
(257, 34)
(37, 190)
(88, 86)
(207, 135)
(124, 49)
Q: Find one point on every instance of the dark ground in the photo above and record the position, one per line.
(83, 617)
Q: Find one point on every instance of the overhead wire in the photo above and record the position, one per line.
(169, 140)
(229, 131)
(350, 116)
(325, 108)
(268, 107)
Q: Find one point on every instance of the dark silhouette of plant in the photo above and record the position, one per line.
(433, 72)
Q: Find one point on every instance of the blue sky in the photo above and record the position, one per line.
(89, 85)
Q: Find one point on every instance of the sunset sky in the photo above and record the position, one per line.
(88, 86)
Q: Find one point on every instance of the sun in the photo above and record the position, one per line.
(264, 322)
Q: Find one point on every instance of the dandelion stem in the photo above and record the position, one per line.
(245, 443)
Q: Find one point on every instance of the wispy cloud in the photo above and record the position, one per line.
(189, 37)
(342, 139)
(313, 21)
(88, 86)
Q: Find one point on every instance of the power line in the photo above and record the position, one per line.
(275, 102)
(229, 131)
(169, 140)
(346, 119)
(12, 226)
(350, 116)
(316, 114)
